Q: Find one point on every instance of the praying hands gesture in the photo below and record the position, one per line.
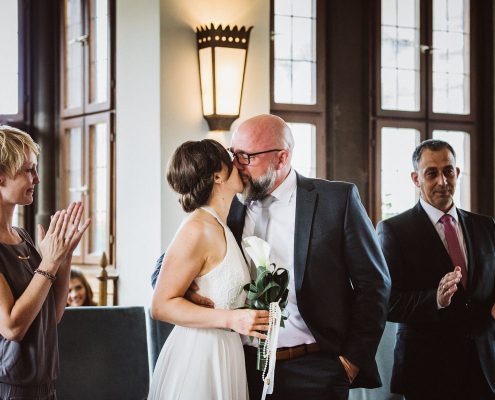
(63, 235)
(56, 247)
(447, 287)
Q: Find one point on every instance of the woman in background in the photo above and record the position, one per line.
(33, 286)
(80, 292)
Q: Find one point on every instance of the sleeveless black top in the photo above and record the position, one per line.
(34, 360)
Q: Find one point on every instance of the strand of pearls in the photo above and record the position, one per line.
(268, 352)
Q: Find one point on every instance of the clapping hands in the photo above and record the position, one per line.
(63, 236)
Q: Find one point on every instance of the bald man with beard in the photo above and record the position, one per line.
(339, 281)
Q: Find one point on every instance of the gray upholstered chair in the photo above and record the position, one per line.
(103, 354)
(158, 332)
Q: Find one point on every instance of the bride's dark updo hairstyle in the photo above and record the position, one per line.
(191, 171)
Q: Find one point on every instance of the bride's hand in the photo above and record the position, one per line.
(249, 322)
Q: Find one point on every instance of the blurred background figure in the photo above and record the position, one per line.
(80, 292)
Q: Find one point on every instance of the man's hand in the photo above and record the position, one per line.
(350, 369)
(447, 287)
(493, 311)
(197, 299)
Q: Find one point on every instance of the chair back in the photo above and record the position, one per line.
(103, 354)
(158, 332)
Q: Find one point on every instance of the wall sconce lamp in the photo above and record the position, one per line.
(222, 54)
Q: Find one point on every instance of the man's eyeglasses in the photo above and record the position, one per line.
(245, 158)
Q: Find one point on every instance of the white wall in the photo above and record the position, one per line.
(138, 156)
(158, 107)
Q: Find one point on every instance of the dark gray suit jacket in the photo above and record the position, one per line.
(341, 279)
(417, 260)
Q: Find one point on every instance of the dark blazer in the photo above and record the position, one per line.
(417, 260)
(341, 279)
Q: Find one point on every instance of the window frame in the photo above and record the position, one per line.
(425, 120)
(85, 123)
(471, 117)
(314, 114)
(376, 62)
(87, 106)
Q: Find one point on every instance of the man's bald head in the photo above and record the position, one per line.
(268, 142)
(265, 130)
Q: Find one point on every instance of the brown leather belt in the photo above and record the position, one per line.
(288, 353)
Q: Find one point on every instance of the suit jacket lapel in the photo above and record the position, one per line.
(235, 219)
(429, 234)
(467, 230)
(305, 208)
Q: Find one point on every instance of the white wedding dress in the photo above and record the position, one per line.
(207, 364)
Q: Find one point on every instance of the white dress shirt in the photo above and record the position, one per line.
(434, 214)
(280, 236)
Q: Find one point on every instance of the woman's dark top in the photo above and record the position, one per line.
(34, 360)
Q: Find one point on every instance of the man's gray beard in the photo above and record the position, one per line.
(258, 189)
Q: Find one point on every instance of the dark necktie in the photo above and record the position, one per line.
(455, 248)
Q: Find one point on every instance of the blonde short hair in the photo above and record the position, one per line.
(13, 144)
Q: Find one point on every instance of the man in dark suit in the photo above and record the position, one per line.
(339, 283)
(442, 264)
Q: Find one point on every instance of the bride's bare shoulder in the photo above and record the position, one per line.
(199, 226)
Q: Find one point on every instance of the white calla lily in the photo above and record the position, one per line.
(258, 250)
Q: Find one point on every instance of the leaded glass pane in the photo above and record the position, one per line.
(74, 169)
(99, 56)
(451, 53)
(74, 60)
(304, 155)
(398, 192)
(99, 165)
(295, 51)
(400, 55)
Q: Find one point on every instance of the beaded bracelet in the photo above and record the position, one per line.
(46, 274)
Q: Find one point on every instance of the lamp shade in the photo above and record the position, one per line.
(222, 54)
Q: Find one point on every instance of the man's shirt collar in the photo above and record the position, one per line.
(435, 214)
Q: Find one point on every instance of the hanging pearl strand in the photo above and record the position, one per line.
(267, 352)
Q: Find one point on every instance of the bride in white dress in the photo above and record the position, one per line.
(203, 357)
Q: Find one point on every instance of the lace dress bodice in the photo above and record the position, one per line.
(224, 284)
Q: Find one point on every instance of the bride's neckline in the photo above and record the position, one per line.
(212, 212)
